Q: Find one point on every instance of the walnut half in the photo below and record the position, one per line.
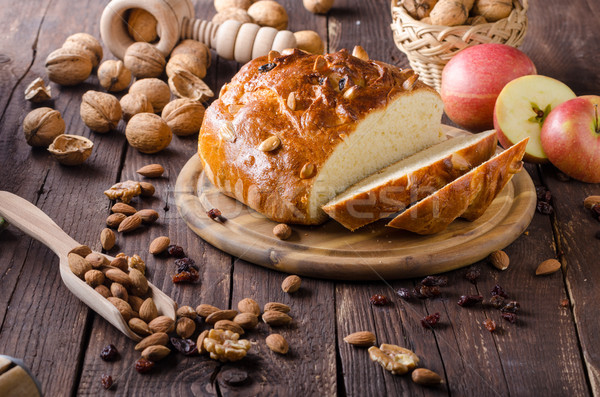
(224, 345)
(395, 359)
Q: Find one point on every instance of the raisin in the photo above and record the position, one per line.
(405, 294)
(431, 320)
(510, 317)
(234, 376)
(176, 251)
(185, 346)
(489, 324)
(498, 290)
(185, 265)
(267, 67)
(469, 300)
(190, 276)
(143, 365)
(424, 291)
(342, 83)
(430, 281)
(107, 381)
(109, 353)
(543, 194)
(544, 208)
(379, 300)
(497, 301)
(511, 307)
(473, 274)
(215, 215)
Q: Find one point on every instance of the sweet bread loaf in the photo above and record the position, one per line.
(395, 187)
(292, 130)
(468, 196)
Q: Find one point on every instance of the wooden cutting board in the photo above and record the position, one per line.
(331, 251)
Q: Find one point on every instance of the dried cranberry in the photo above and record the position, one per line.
(107, 381)
(176, 251)
(511, 307)
(424, 291)
(215, 215)
(185, 346)
(497, 301)
(510, 317)
(109, 353)
(189, 276)
(378, 300)
(266, 67)
(430, 281)
(185, 264)
(544, 208)
(143, 365)
(498, 290)
(473, 274)
(431, 320)
(469, 300)
(405, 294)
(489, 324)
(543, 194)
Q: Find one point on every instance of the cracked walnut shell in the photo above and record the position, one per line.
(38, 91)
(101, 112)
(114, 76)
(71, 149)
(42, 125)
(184, 116)
(187, 62)
(148, 133)
(224, 345)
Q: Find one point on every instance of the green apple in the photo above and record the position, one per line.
(521, 109)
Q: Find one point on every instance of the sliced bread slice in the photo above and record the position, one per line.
(395, 187)
(468, 196)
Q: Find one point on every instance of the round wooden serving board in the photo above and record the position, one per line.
(331, 251)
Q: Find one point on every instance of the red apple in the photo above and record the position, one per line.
(474, 77)
(571, 138)
(521, 108)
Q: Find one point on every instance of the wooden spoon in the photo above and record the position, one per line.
(31, 220)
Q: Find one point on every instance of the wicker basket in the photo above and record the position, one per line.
(430, 47)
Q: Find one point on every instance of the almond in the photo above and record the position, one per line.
(120, 263)
(136, 303)
(187, 311)
(185, 327)
(148, 216)
(277, 343)
(107, 239)
(94, 278)
(114, 220)
(249, 305)
(139, 326)
(155, 352)
(122, 306)
(269, 144)
(275, 318)
(499, 260)
(118, 276)
(291, 284)
(122, 208)
(229, 325)
(162, 324)
(591, 201)
(548, 266)
(361, 339)
(151, 170)
(147, 189)
(159, 245)
(78, 265)
(139, 283)
(246, 320)
(148, 310)
(97, 260)
(205, 310)
(130, 223)
(103, 290)
(118, 291)
(276, 306)
(156, 339)
(81, 250)
(200, 342)
(425, 377)
(221, 315)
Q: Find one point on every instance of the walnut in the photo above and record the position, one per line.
(156, 90)
(269, 13)
(114, 76)
(493, 10)
(136, 262)
(124, 191)
(193, 47)
(186, 85)
(187, 62)
(132, 104)
(237, 14)
(42, 125)
(71, 149)
(309, 41)
(144, 60)
(101, 112)
(222, 5)
(87, 43)
(395, 359)
(38, 91)
(318, 6)
(148, 133)
(141, 25)
(224, 345)
(68, 66)
(184, 116)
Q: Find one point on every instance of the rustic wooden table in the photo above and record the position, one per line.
(551, 350)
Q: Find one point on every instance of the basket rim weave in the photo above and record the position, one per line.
(429, 47)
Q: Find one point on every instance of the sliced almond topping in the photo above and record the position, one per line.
(360, 53)
(351, 92)
(320, 64)
(272, 55)
(307, 171)
(227, 132)
(270, 144)
(291, 101)
(410, 82)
